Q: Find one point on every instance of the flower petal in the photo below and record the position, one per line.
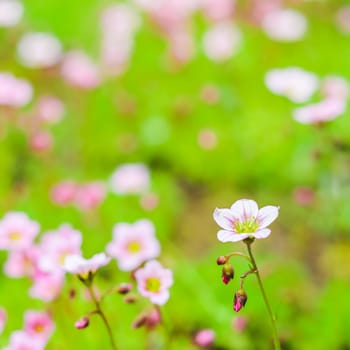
(224, 218)
(244, 209)
(266, 215)
(229, 236)
(265, 232)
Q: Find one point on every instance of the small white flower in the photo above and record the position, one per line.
(244, 219)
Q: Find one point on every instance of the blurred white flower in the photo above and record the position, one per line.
(222, 41)
(130, 179)
(321, 112)
(285, 25)
(11, 12)
(294, 83)
(39, 50)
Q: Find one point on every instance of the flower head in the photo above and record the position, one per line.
(133, 244)
(76, 264)
(244, 219)
(153, 282)
(17, 231)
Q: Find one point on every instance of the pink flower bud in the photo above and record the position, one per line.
(227, 273)
(240, 300)
(82, 323)
(124, 288)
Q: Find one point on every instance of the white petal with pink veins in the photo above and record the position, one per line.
(244, 209)
(266, 215)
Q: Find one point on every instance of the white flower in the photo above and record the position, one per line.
(39, 50)
(285, 25)
(294, 83)
(244, 219)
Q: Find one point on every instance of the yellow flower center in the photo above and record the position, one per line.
(248, 226)
(15, 236)
(153, 284)
(134, 246)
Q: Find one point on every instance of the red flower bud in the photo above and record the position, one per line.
(82, 323)
(239, 300)
(221, 260)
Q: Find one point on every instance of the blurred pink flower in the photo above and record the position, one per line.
(56, 245)
(10, 12)
(244, 219)
(49, 109)
(303, 195)
(21, 340)
(218, 10)
(46, 285)
(335, 87)
(3, 318)
(14, 92)
(149, 201)
(39, 324)
(64, 192)
(82, 323)
(222, 41)
(22, 263)
(40, 141)
(153, 282)
(181, 45)
(77, 265)
(294, 83)
(133, 244)
(130, 179)
(79, 70)
(342, 19)
(17, 231)
(285, 25)
(240, 323)
(39, 50)
(320, 112)
(204, 337)
(89, 196)
(207, 139)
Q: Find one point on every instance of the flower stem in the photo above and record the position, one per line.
(276, 340)
(102, 315)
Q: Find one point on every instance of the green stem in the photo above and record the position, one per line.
(276, 340)
(102, 315)
(238, 254)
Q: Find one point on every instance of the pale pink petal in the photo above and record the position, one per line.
(224, 218)
(265, 232)
(244, 209)
(161, 298)
(266, 215)
(229, 236)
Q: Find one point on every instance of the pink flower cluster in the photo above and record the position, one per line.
(37, 330)
(41, 262)
(87, 196)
